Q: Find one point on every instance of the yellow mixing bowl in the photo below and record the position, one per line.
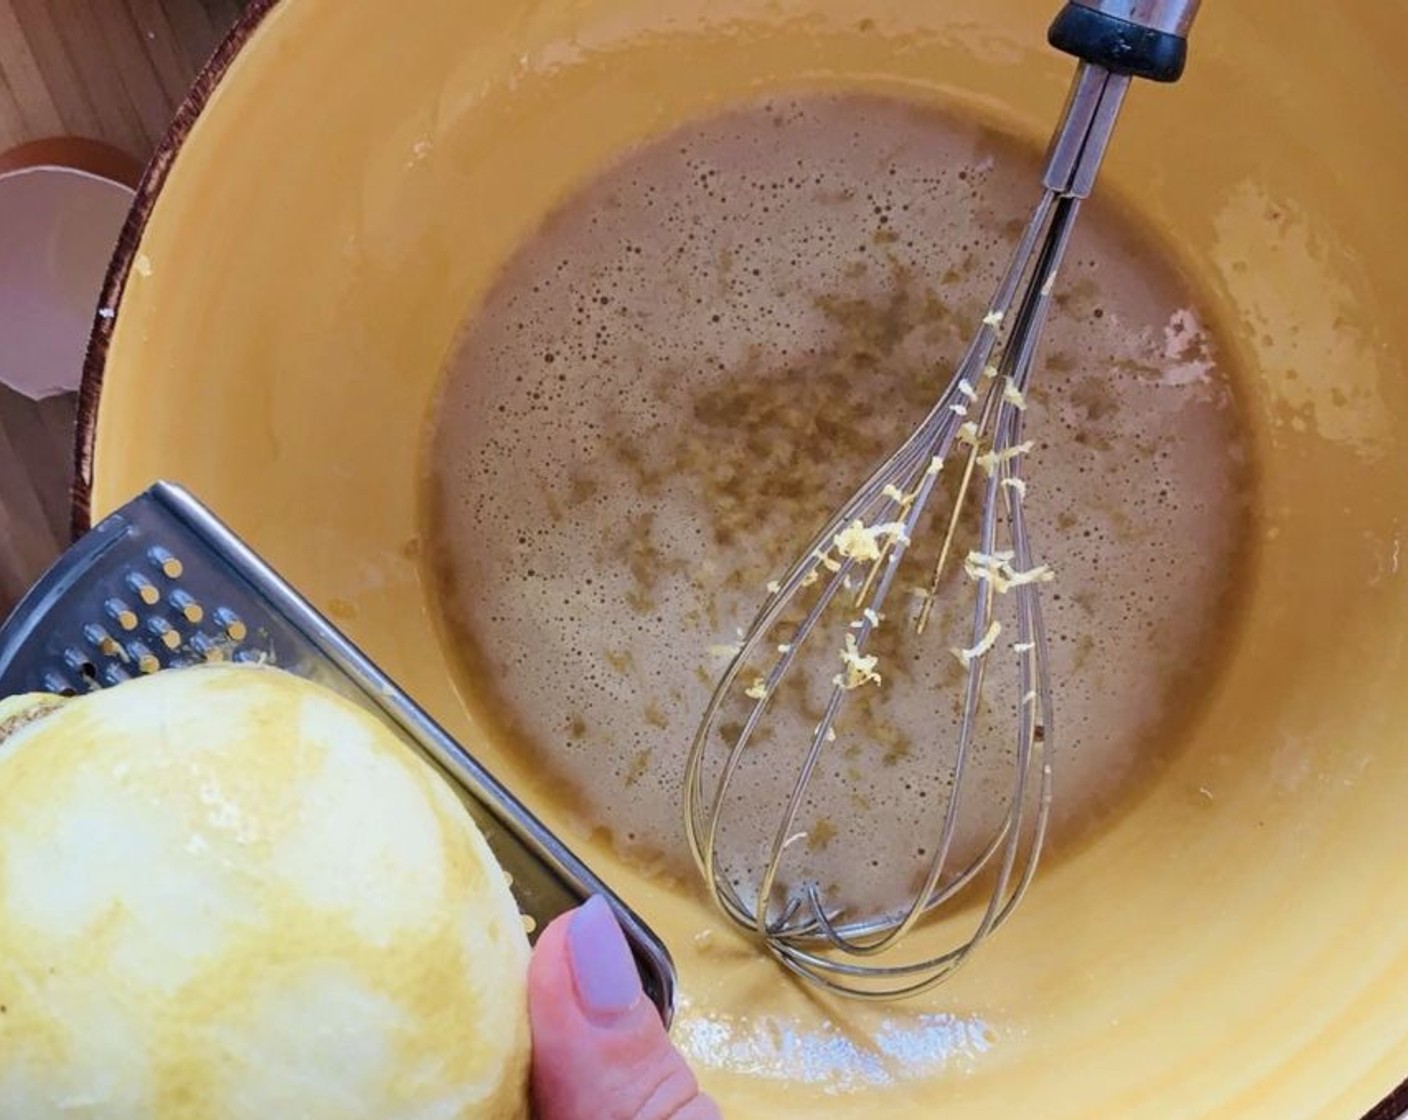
(342, 189)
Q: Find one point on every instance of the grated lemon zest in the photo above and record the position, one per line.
(967, 656)
(860, 668)
(1042, 573)
(994, 459)
(861, 543)
(996, 568)
(855, 542)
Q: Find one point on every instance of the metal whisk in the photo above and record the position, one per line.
(816, 634)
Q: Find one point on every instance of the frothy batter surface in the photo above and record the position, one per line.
(701, 355)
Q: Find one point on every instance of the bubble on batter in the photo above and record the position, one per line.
(702, 353)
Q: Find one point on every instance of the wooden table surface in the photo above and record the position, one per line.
(110, 70)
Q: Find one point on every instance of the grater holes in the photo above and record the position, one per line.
(143, 588)
(85, 673)
(122, 614)
(164, 632)
(165, 562)
(58, 685)
(115, 674)
(145, 660)
(100, 640)
(231, 624)
(209, 649)
(190, 610)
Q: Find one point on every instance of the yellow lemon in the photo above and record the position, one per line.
(227, 893)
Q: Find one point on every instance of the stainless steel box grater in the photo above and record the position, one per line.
(162, 583)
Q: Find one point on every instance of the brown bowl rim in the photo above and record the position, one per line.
(120, 266)
(1392, 1107)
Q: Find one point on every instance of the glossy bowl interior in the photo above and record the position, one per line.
(341, 192)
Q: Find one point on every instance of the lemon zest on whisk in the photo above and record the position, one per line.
(1042, 573)
(795, 838)
(990, 371)
(758, 690)
(1017, 484)
(826, 560)
(966, 388)
(994, 459)
(996, 568)
(994, 318)
(1023, 647)
(861, 543)
(1014, 396)
(725, 652)
(936, 465)
(856, 543)
(968, 433)
(898, 496)
(980, 565)
(967, 656)
(860, 668)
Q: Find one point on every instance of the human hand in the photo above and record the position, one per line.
(599, 1049)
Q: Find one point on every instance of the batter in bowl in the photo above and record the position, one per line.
(701, 353)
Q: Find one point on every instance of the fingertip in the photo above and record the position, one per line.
(603, 968)
(599, 1048)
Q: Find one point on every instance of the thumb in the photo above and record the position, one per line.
(599, 1049)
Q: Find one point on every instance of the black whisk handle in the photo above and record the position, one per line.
(1142, 38)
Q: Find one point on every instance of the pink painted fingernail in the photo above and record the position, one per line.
(603, 969)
